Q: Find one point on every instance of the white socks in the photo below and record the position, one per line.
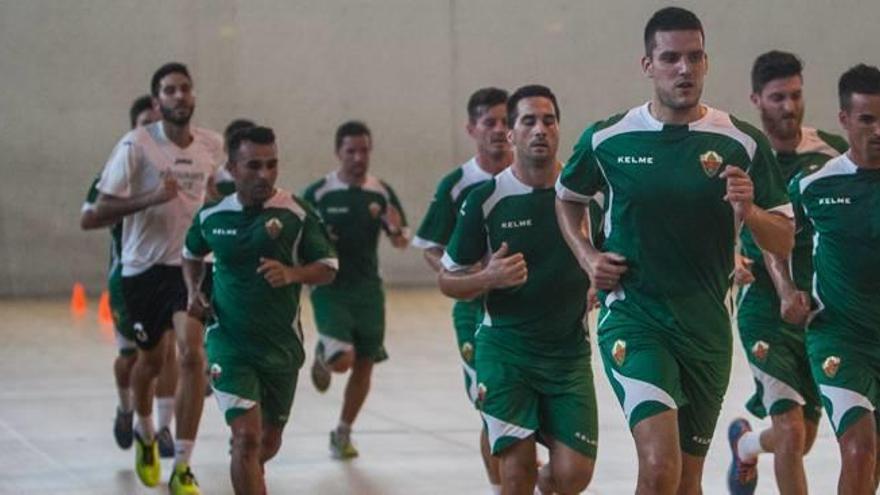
(143, 425)
(126, 402)
(183, 450)
(749, 446)
(165, 411)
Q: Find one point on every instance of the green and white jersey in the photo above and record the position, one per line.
(285, 229)
(437, 225)
(666, 212)
(842, 202)
(816, 148)
(353, 217)
(542, 318)
(115, 230)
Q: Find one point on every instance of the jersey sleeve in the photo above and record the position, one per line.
(794, 194)
(769, 187)
(121, 167)
(91, 195)
(195, 247)
(468, 245)
(437, 225)
(315, 245)
(581, 177)
(595, 216)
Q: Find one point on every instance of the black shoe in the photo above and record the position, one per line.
(122, 429)
(166, 443)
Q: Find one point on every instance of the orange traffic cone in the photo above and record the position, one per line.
(105, 315)
(78, 300)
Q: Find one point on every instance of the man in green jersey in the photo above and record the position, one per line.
(533, 353)
(487, 125)
(350, 312)
(842, 203)
(140, 114)
(266, 244)
(680, 178)
(773, 307)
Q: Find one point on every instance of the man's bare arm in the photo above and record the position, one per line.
(112, 208)
(603, 268)
(794, 304)
(501, 271)
(773, 232)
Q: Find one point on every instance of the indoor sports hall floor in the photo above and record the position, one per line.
(416, 435)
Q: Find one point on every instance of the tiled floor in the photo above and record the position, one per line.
(417, 433)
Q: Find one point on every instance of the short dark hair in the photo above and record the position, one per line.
(140, 104)
(351, 128)
(233, 127)
(484, 99)
(862, 79)
(532, 90)
(772, 65)
(670, 19)
(254, 134)
(169, 68)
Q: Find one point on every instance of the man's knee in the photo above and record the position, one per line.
(192, 358)
(573, 478)
(659, 471)
(856, 449)
(245, 440)
(811, 429)
(790, 433)
(271, 443)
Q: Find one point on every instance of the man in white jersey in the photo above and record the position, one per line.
(141, 113)
(157, 177)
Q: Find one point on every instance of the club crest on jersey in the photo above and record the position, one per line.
(467, 352)
(711, 162)
(139, 333)
(375, 209)
(618, 352)
(481, 394)
(273, 227)
(831, 366)
(760, 350)
(216, 371)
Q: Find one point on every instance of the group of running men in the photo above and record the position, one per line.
(643, 221)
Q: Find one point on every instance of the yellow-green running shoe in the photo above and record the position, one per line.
(146, 461)
(341, 447)
(183, 481)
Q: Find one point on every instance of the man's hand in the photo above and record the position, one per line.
(392, 220)
(795, 307)
(506, 271)
(740, 191)
(276, 273)
(166, 191)
(197, 306)
(742, 270)
(605, 270)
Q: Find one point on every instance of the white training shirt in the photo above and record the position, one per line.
(138, 164)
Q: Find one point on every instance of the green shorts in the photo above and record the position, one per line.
(847, 373)
(777, 355)
(242, 380)
(650, 376)
(351, 318)
(465, 318)
(554, 399)
(125, 339)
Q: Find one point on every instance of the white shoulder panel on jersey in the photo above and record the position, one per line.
(374, 184)
(283, 199)
(471, 173)
(636, 119)
(718, 122)
(331, 183)
(229, 203)
(506, 184)
(841, 165)
(812, 143)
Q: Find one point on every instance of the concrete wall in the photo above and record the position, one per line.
(69, 70)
